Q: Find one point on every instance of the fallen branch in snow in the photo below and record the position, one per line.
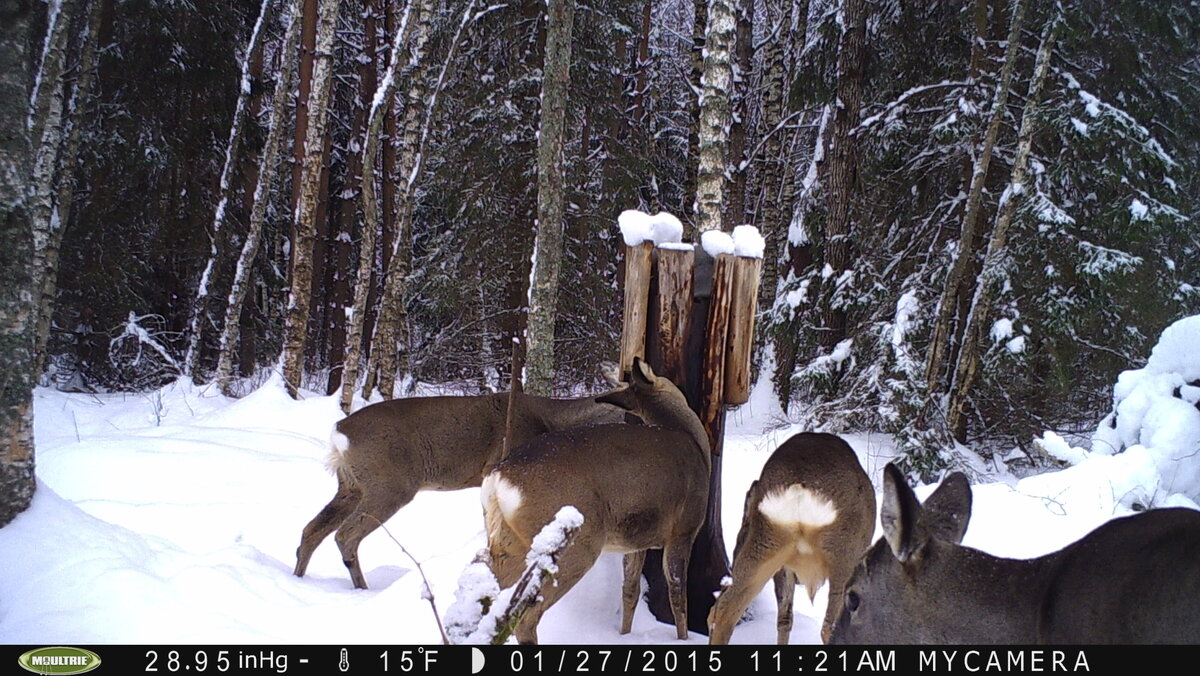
(483, 613)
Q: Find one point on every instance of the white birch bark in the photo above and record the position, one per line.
(300, 296)
(267, 171)
(200, 307)
(384, 95)
(714, 114)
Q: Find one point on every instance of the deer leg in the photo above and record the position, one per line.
(839, 575)
(676, 555)
(753, 566)
(325, 522)
(576, 560)
(372, 512)
(785, 590)
(632, 588)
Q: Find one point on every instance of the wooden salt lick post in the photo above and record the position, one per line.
(691, 317)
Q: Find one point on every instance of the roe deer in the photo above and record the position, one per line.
(808, 519)
(1134, 579)
(637, 487)
(386, 452)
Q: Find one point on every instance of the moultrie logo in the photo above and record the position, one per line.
(59, 660)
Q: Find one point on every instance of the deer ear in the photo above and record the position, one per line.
(948, 510)
(900, 516)
(642, 374)
(622, 397)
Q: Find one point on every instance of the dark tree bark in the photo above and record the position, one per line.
(18, 272)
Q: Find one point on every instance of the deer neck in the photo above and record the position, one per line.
(561, 414)
(1008, 595)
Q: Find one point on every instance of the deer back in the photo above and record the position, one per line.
(810, 516)
(1132, 580)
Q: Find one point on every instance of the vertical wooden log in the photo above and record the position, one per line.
(674, 306)
(744, 304)
(637, 303)
(716, 335)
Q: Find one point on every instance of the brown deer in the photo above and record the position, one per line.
(808, 518)
(1134, 579)
(637, 487)
(386, 452)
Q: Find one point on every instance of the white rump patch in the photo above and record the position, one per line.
(506, 495)
(797, 506)
(339, 443)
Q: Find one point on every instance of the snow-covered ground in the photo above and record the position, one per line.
(174, 517)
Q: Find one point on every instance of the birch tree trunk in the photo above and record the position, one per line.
(391, 334)
(548, 243)
(267, 171)
(61, 214)
(842, 166)
(966, 370)
(943, 338)
(217, 235)
(300, 296)
(18, 273)
(380, 105)
(714, 114)
(739, 161)
(46, 133)
(391, 328)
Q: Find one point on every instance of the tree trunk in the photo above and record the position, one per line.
(18, 272)
(391, 331)
(943, 337)
(385, 93)
(843, 169)
(770, 221)
(217, 235)
(66, 180)
(689, 208)
(714, 114)
(267, 170)
(46, 133)
(975, 333)
(548, 244)
(300, 297)
(739, 161)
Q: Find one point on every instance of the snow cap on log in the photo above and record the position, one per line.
(665, 228)
(748, 242)
(716, 242)
(635, 226)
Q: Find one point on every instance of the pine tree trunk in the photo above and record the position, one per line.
(217, 234)
(18, 271)
(715, 114)
(976, 331)
(300, 297)
(843, 168)
(66, 180)
(943, 337)
(770, 221)
(267, 170)
(385, 93)
(548, 245)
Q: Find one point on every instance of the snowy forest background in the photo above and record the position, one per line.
(977, 212)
